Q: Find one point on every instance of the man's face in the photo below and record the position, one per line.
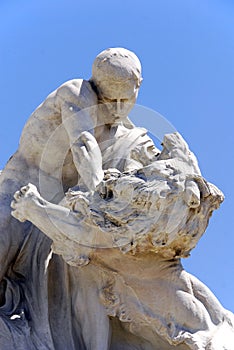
(116, 101)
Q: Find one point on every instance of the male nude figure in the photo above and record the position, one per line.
(50, 156)
(147, 291)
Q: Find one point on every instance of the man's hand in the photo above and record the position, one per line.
(23, 202)
(90, 160)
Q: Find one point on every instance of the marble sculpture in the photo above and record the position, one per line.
(94, 223)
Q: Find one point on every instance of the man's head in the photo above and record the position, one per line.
(116, 75)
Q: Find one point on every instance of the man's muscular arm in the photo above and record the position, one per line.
(78, 103)
(57, 222)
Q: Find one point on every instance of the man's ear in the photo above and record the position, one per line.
(139, 82)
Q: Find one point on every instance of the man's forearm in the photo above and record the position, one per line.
(60, 224)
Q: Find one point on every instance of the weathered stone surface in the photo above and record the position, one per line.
(118, 215)
(132, 230)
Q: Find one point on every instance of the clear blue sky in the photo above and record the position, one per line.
(187, 52)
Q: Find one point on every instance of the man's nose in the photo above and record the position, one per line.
(119, 106)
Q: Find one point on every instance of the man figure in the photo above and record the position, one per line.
(50, 156)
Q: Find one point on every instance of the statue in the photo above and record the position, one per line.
(118, 215)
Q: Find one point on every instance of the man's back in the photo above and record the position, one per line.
(27, 162)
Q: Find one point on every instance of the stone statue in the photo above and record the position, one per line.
(93, 260)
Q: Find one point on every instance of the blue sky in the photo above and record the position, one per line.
(187, 51)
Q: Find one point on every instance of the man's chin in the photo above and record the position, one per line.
(119, 120)
(119, 117)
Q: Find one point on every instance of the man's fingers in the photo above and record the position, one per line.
(83, 153)
(17, 216)
(24, 189)
(17, 195)
(89, 140)
(13, 204)
(21, 192)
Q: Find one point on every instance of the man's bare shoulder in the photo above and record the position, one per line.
(77, 91)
